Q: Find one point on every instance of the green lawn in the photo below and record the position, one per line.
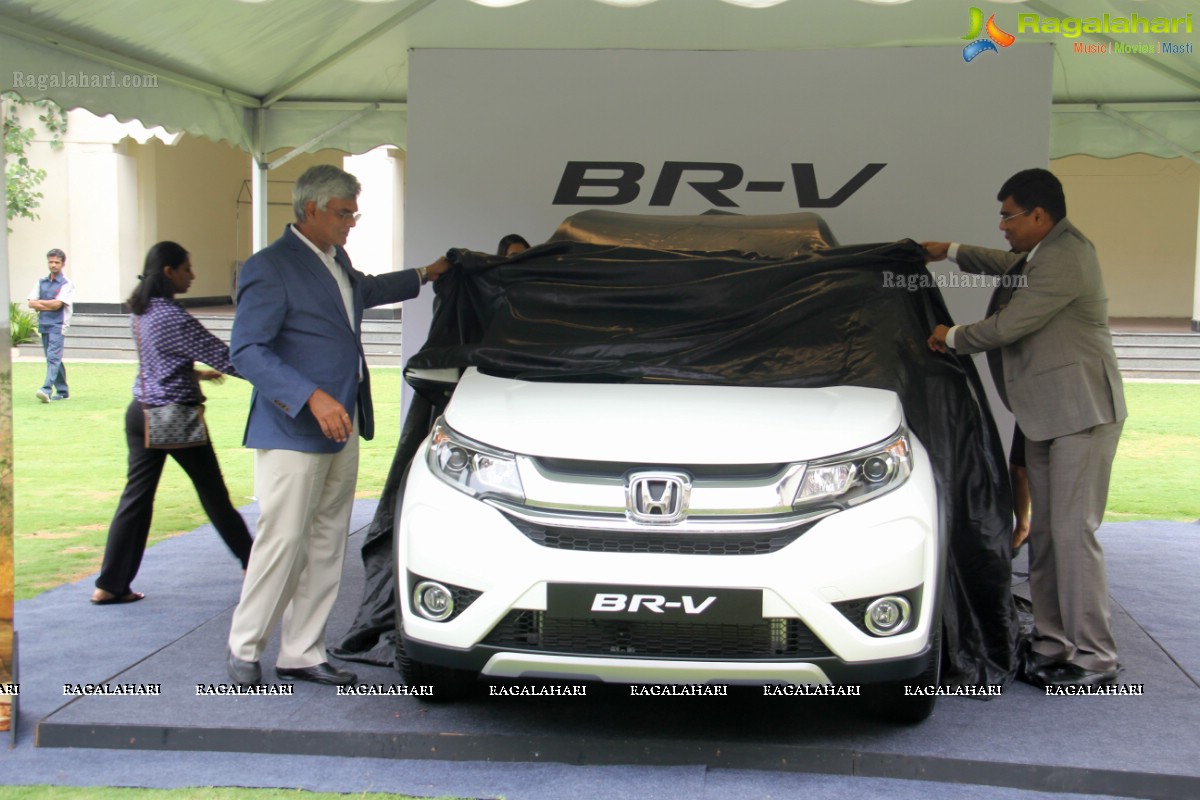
(69, 466)
(1158, 459)
(70, 463)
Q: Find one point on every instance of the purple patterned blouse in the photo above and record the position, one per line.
(171, 341)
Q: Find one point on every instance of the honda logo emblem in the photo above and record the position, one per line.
(657, 497)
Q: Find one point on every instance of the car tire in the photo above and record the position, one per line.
(889, 701)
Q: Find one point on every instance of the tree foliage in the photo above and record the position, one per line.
(21, 177)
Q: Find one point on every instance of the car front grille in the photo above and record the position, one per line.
(687, 544)
(769, 639)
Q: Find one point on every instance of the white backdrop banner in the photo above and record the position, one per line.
(885, 143)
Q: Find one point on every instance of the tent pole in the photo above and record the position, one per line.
(258, 205)
(258, 183)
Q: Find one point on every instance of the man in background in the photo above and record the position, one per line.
(52, 297)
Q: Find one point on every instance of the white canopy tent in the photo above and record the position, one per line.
(266, 74)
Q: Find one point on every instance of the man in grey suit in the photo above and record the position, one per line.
(297, 338)
(1061, 381)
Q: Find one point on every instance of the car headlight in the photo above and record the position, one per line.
(472, 467)
(853, 478)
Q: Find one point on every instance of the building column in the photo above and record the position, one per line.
(1196, 276)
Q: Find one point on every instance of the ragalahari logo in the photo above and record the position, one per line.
(995, 36)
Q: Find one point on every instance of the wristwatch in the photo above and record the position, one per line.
(423, 274)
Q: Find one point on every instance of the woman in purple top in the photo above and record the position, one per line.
(170, 341)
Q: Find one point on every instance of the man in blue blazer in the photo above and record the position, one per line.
(1061, 381)
(297, 339)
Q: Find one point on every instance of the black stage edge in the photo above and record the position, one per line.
(1130, 746)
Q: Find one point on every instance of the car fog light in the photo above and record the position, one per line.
(888, 615)
(433, 600)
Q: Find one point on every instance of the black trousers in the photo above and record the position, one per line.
(131, 525)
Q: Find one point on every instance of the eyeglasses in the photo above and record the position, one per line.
(346, 216)
(1011, 217)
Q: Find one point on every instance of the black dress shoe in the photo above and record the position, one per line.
(321, 673)
(244, 673)
(1074, 675)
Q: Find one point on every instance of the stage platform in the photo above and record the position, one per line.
(1136, 746)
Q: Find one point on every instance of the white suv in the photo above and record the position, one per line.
(643, 533)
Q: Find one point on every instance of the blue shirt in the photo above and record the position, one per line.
(169, 342)
(58, 288)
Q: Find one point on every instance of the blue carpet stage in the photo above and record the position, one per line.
(607, 744)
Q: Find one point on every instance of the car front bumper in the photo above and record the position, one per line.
(890, 545)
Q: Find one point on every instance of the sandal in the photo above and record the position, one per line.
(115, 599)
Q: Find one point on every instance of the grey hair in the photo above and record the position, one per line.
(320, 184)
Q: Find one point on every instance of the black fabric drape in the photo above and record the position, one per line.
(844, 315)
(372, 636)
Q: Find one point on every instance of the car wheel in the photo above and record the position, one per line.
(889, 700)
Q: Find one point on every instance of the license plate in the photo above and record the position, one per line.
(653, 603)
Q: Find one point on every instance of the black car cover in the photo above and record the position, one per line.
(760, 302)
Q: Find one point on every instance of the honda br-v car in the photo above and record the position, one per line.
(646, 533)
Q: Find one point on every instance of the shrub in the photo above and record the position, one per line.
(22, 323)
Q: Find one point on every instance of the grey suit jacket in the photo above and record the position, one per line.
(1060, 370)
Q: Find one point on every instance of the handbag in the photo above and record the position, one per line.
(173, 426)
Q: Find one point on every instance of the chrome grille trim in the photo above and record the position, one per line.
(620, 523)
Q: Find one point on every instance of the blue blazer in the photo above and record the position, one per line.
(291, 336)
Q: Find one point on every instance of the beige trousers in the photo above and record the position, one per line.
(296, 562)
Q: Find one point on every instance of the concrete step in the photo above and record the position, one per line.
(1161, 363)
(1158, 356)
(1130, 351)
(1156, 339)
(217, 323)
(107, 336)
(1177, 376)
(377, 355)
